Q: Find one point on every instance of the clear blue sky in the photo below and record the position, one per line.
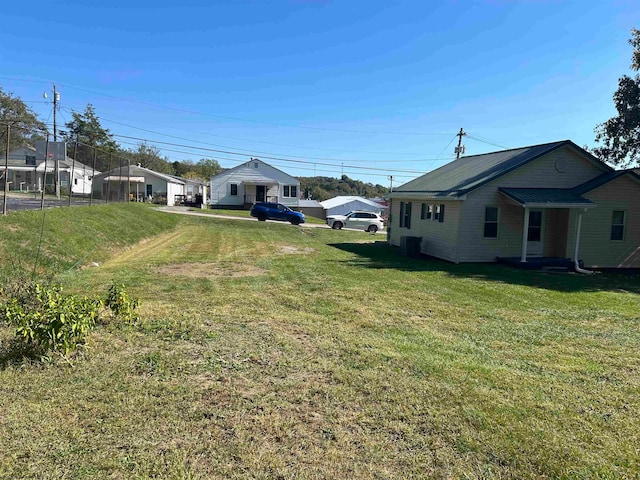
(370, 84)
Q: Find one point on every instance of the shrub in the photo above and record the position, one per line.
(48, 320)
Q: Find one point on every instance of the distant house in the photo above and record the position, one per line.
(138, 183)
(547, 200)
(29, 172)
(350, 203)
(251, 182)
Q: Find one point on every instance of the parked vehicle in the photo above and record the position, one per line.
(367, 221)
(276, 211)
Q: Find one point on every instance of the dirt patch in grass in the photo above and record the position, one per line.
(291, 250)
(209, 270)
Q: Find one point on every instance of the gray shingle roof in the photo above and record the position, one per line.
(545, 196)
(467, 173)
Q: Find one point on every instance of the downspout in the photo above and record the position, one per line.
(576, 266)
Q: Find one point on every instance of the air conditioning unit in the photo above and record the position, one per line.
(410, 246)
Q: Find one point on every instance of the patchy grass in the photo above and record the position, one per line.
(326, 355)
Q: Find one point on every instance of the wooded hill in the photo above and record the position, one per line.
(323, 188)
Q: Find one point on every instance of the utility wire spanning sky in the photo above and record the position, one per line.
(365, 88)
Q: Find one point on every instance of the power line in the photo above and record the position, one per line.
(260, 152)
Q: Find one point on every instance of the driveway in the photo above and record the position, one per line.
(186, 211)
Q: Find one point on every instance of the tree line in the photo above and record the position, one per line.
(323, 188)
(92, 144)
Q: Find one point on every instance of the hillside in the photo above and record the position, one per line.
(323, 188)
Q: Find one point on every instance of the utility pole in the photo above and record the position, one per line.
(460, 148)
(56, 98)
(390, 183)
(6, 172)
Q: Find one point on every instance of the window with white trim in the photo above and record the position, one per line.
(617, 225)
(234, 189)
(405, 214)
(491, 222)
(290, 191)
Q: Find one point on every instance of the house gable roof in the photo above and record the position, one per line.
(252, 175)
(468, 173)
(604, 178)
(138, 171)
(341, 200)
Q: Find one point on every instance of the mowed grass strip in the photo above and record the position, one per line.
(270, 351)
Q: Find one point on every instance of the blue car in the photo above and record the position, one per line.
(276, 211)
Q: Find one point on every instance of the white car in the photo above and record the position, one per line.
(367, 221)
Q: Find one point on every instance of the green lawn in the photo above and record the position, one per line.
(268, 351)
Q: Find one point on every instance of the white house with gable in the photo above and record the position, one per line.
(251, 182)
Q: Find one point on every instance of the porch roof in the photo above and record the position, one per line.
(546, 197)
(121, 178)
(260, 180)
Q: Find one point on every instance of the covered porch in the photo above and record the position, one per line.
(261, 189)
(552, 221)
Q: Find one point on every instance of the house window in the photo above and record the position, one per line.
(438, 215)
(535, 226)
(149, 190)
(423, 211)
(491, 222)
(75, 181)
(617, 225)
(255, 165)
(290, 191)
(405, 214)
(234, 189)
(429, 212)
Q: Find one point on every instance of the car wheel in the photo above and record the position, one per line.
(295, 221)
(262, 217)
(337, 225)
(372, 228)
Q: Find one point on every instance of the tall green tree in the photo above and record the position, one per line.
(207, 168)
(26, 127)
(149, 156)
(620, 135)
(86, 128)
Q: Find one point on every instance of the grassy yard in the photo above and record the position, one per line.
(272, 351)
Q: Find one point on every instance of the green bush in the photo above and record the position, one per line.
(48, 320)
(121, 304)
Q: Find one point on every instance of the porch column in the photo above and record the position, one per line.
(578, 227)
(525, 234)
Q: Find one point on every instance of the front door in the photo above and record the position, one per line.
(534, 235)
(261, 193)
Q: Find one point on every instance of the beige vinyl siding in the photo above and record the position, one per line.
(472, 246)
(438, 238)
(540, 173)
(596, 247)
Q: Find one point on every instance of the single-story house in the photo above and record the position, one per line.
(548, 200)
(139, 184)
(29, 172)
(251, 182)
(342, 205)
(195, 190)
